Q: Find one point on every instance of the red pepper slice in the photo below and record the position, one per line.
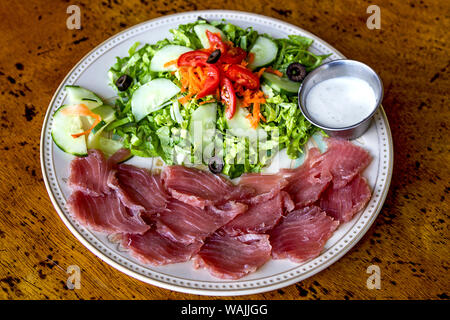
(192, 58)
(228, 97)
(234, 55)
(215, 42)
(243, 76)
(212, 79)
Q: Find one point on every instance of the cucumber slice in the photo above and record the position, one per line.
(99, 126)
(107, 113)
(104, 141)
(63, 128)
(265, 52)
(239, 125)
(167, 54)
(203, 117)
(200, 31)
(175, 113)
(77, 94)
(281, 84)
(151, 97)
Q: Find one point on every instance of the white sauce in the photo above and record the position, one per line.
(340, 102)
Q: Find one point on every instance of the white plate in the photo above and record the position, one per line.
(91, 72)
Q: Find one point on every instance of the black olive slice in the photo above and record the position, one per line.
(124, 82)
(202, 19)
(296, 72)
(215, 165)
(214, 56)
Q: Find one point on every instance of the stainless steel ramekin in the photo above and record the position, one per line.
(341, 68)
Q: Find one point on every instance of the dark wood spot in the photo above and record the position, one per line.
(30, 112)
(284, 13)
(10, 281)
(80, 40)
(443, 296)
(435, 77)
(302, 292)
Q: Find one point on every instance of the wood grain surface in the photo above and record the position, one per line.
(408, 241)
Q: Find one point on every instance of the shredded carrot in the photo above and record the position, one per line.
(207, 101)
(262, 117)
(250, 97)
(186, 98)
(276, 72)
(251, 57)
(255, 99)
(229, 43)
(254, 120)
(81, 110)
(192, 81)
(171, 62)
(201, 74)
(260, 72)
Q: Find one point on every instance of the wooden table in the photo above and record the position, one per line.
(408, 241)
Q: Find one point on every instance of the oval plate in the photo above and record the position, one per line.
(91, 72)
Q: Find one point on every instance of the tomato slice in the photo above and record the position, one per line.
(215, 42)
(212, 79)
(234, 55)
(192, 58)
(228, 97)
(243, 76)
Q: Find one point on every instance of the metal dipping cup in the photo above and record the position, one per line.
(341, 68)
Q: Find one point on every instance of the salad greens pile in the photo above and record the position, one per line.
(162, 134)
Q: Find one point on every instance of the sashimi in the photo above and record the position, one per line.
(302, 234)
(345, 160)
(308, 181)
(228, 257)
(344, 202)
(105, 213)
(152, 248)
(89, 174)
(138, 188)
(185, 223)
(200, 188)
(260, 217)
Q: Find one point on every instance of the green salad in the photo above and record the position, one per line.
(212, 91)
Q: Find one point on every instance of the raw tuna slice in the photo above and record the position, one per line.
(302, 235)
(308, 181)
(343, 203)
(200, 188)
(228, 257)
(266, 186)
(260, 217)
(154, 249)
(105, 213)
(89, 174)
(138, 189)
(345, 160)
(187, 224)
